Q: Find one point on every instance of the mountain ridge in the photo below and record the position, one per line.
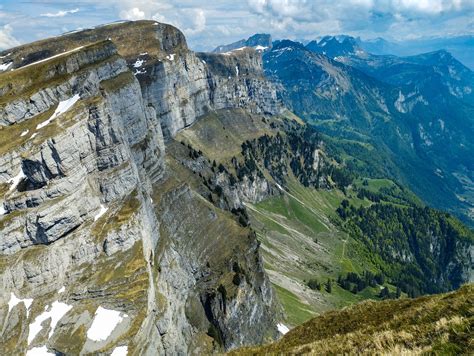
(91, 201)
(157, 185)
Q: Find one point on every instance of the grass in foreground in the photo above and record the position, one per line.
(440, 324)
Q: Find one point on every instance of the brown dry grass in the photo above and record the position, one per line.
(439, 324)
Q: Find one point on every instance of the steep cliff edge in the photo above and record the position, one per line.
(178, 83)
(103, 244)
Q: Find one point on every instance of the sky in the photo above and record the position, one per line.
(208, 24)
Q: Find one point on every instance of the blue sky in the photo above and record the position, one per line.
(210, 23)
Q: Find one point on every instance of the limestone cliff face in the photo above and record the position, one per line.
(178, 83)
(94, 215)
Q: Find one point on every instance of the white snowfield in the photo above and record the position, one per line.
(234, 50)
(63, 106)
(5, 66)
(55, 56)
(170, 56)
(2, 209)
(102, 211)
(24, 133)
(120, 351)
(39, 351)
(17, 179)
(56, 312)
(14, 301)
(260, 48)
(105, 321)
(282, 328)
(138, 63)
(61, 290)
(139, 71)
(237, 70)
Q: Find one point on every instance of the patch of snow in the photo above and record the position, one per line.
(120, 351)
(104, 323)
(24, 133)
(17, 179)
(234, 50)
(5, 66)
(260, 48)
(237, 70)
(14, 301)
(282, 328)
(56, 312)
(63, 106)
(39, 351)
(2, 209)
(138, 63)
(143, 54)
(55, 56)
(140, 72)
(102, 211)
(170, 56)
(34, 135)
(61, 290)
(1, 57)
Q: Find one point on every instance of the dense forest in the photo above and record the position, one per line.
(417, 245)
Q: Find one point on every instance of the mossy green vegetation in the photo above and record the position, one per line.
(220, 135)
(438, 324)
(296, 312)
(419, 248)
(301, 241)
(118, 82)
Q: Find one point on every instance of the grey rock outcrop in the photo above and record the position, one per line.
(91, 215)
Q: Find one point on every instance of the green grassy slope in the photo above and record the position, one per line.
(307, 234)
(300, 241)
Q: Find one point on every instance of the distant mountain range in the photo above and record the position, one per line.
(261, 42)
(459, 46)
(415, 113)
(155, 200)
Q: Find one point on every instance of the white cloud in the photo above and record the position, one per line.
(132, 14)
(190, 21)
(60, 13)
(207, 24)
(6, 38)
